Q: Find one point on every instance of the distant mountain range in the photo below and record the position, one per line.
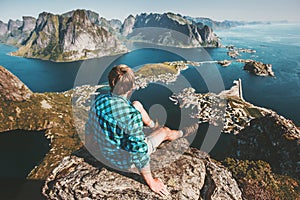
(83, 34)
(226, 24)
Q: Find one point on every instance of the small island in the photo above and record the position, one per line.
(257, 68)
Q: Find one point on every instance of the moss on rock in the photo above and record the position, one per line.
(258, 181)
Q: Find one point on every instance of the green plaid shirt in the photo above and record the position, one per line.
(117, 127)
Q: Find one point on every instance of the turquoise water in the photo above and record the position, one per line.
(20, 151)
(277, 44)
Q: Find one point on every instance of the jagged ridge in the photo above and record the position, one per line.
(168, 29)
(83, 34)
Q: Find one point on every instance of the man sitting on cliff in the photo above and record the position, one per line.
(117, 126)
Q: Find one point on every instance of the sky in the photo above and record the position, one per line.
(238, 10)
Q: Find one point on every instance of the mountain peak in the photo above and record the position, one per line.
(168, 29)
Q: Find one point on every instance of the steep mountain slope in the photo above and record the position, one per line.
(68, 37)
(168, 29)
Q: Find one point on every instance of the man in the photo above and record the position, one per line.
(117, 126)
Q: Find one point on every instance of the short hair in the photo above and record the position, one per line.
(121, 79)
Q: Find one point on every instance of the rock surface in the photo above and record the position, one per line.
(259, 68)
(227, 109)
(192, 175)
(64, 38)
(217, 25)
(21, 109)
(128, 25)
(274, 139)
(3, 30)
(16, 32)
(168, 29)
(11, 88)
(82, 34)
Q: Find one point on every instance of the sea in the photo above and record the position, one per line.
(276, 44)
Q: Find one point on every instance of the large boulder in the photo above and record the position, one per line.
(81, 176)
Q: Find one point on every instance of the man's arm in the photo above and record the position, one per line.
(139, 151)
(145, 117)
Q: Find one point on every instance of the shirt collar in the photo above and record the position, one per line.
(119, 96)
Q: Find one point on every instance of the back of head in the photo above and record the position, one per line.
(121, 79)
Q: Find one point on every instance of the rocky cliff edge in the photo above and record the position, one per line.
(192, 175)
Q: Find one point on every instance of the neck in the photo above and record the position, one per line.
(124, 95)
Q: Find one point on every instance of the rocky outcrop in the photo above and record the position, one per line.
(20, 109)
(192, 175)
(259, 68)
(23, 32)
(3, 29)
(168, 29)
(15, 32)
(227, 109)
(13, 26)
(128, 25)
(257, 180)
(92, 16)
(217, 25)
(28, 24)
(166, 72)
(63, 38)
(274, 139)
(11, 88)
(112, 26)
(224, 63)
(233, 54)
(115, 24)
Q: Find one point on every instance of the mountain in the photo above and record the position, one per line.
(168, 29)
(83, 34)
(71, 36)
(217, 25)
(16, 32)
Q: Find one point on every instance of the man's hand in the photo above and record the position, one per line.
(158, 187)
(155, 184)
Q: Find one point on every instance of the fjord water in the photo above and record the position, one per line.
(277, 44)
(20, 152)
